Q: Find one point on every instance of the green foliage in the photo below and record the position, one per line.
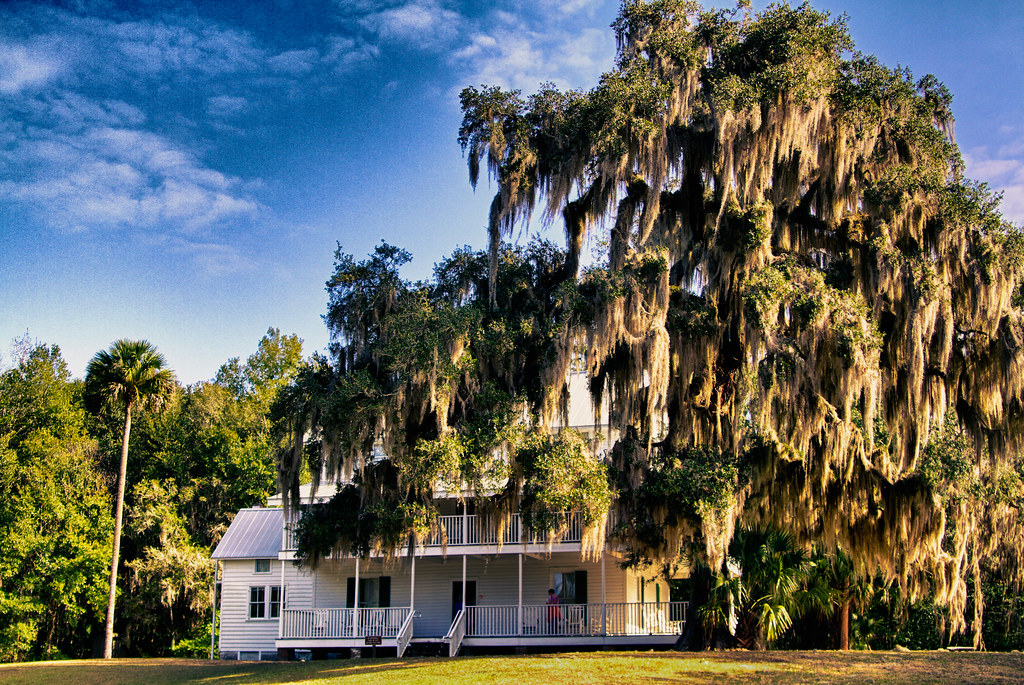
(662, 28)
(786, 49)
(195, 646)
(1003, 628)
(797, 301)
(889, 620)
(171, 581)
(691, 316)
(694, 485)
(55, 523)
(561, 475)
(948, 465)
(346, 524)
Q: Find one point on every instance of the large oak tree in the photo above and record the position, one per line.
(799, 285)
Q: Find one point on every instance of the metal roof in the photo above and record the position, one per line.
(253, 534)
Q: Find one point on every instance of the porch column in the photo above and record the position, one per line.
(284, 603)
(604, 600)
(519, 607)
(355, 604)
(464, 582)
(213, 615)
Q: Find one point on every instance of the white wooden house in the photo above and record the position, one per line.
(469, 592)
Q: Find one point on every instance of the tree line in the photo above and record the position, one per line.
(206, 453)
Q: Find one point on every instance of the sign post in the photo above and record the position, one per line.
(373, 641)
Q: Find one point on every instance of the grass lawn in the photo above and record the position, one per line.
(593, 667)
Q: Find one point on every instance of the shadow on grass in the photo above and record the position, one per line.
(594, 667)
(171, 671)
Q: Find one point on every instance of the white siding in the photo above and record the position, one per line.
(237, 631)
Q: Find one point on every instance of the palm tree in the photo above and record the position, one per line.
(134, 375)
(773, 568)
(836, 577)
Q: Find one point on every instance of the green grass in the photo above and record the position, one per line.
(594, 667)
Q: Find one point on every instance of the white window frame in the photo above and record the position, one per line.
(258, 562)
(257, 603)
(274, 607)
(266, 606)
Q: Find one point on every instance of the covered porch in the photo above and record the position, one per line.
(479, 600)
(605, 623)
(346, 628)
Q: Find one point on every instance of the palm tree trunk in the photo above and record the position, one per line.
(844, 624)
(108, 644)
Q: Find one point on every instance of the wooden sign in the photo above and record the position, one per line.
(374, 640)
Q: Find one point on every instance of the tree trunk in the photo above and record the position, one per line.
(844, 624)
(693, 638)
(108, 644)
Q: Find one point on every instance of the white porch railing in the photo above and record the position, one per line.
(456, 633)
(343, 623)
(478, 530)
(577, 620)
(404, 636)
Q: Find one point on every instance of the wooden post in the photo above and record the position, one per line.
(519, 608)
(412, 583)
(213, 617)
(355, 604)
(604, 600)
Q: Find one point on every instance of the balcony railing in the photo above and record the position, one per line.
(343, 623)
(482, 530)
(461, 530)
(576, 620)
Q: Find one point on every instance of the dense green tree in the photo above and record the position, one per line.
(763, 588)
(55, 523)
(799, 282)
(134, 376)
(169, 593)
(830, 282)
(209, 453)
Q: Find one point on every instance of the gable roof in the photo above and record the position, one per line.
(253, 534)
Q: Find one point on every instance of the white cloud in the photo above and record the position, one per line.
(226, 106)
(1003, 171)
(343, 53)
(513, 54)
(114, 122)
(295, 61)
(423, 23)
(22, 68)
(212, 259)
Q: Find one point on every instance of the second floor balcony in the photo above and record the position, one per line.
(474, 530)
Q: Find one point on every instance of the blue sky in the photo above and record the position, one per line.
(182, 171)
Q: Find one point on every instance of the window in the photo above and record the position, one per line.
(265, 602)
(571, 587)
(257, 602)
(276, 600)
(263, 566)
(373, 592)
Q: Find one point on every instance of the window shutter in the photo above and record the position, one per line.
(581, 587)
(350, 593)
(384, 591)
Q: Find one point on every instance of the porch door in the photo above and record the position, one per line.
(457, 595)
(571, 589)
